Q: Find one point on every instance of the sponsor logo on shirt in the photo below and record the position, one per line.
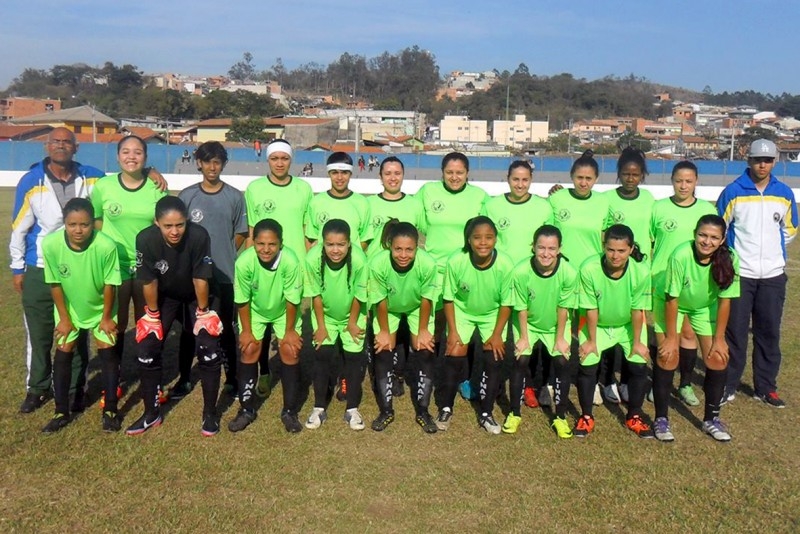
(437, 206)
(503, 223)
(114, 209)
(162, 266)
(563, 214)
(63, 270)
(197, 215)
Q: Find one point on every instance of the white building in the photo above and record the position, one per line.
(459, 128)
(519, 132)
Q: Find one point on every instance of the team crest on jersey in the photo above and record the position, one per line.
(162, 266)
(503, 223)
(776, 217)
(392, 290)
(197, 215)
(531, 294)
(463, 286)
(563, 214)
(670, 225)
(323, 217)
(598, 295)
(437, 206)
(254, 285)
(377, 221)
(63, 270)
(686, 283)
(207, 260)
(268, 206)
(618, 217)
(114, 209)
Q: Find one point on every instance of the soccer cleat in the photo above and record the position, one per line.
(111, 422)
(546, 396)
(623, 393)
(142, 425)
(341, 391)
(59, 421)
(291, 422)
(316, 418)
(662, 430)
(242, 420)
(686, 394)
(353, 418)
(488, 423)
(511, 424)
(584, 426)
(383, 420)
(636, 425)
(771, 399)
(179, 390)
(444, 419)
(716, 429)
(465, 388)
(529, 396)
(611, 393)
(264, 386)
(210, 425)
(597, 400)
(427, 423)
(120, 393)
(32, 402)
(561, 427)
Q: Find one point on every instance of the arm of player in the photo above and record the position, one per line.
(291, 341)
(523, 343)
(356, 332)
(64, 326)
(495, 341)
(383, 338)
(246, 335)
(590, 345)
(321, 333)
(561, 345)
(718, 356)
(454, 342)
(637, 347)
(150, 322)
(107, 324)
(424, 336)
(158, 179)
(668, 351)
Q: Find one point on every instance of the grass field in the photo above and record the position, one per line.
(401, 480)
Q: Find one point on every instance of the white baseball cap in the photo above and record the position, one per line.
(763, 148)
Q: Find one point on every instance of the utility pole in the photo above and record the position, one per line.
(508, 92)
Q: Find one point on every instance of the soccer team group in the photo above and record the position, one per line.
(448, 288)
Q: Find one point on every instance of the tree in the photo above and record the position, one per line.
(522, 70)
(243, 70)
(631, 138)
(246, 130)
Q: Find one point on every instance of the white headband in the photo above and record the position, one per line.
(339, 167)
(279, 146)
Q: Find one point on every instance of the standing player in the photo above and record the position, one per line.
(174, 264)
(267, 289)
(701, 280)
(448, 205)
(219, 208)
(402, 285)
(336, 280)
(546, 293)
(673, 221)
(478, 294)
(614, 293)
(82, 268)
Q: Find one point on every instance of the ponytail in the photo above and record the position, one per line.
(394, 228)
(722, 271)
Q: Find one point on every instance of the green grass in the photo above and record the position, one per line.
(401, 480)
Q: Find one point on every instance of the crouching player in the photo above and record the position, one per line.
(82, 268)
(174, 263)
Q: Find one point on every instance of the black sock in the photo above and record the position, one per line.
(354, 369)
(248, 376)
(62, 376)
(455, 368)
(662, 384)
(637, 388)
(713, 388)
(290, 381)
(424, 380)
(587, 379)
(209, 379)
(321, 375)
(109, 376)
(518, 382)
(399, 359)
(687, 359)
(561, 387)
(490, 382)
(384, 374)
(150, 383)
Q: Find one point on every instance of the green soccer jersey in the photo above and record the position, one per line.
(82, 274)
(581, 221)
(670, 226)
(336, 288)
(268, 290)
(542, 295)
(125, 212)
(403, 291)
(446, 214)
(614, 299)
(477, 292)
(287, 204)
(516, 223)
(354, 209)
(690, 281)
(405, 209)
(635, 213)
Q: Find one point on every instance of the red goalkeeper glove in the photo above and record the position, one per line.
(150, 323)
(208, 320)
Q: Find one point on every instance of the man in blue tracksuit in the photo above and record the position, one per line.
(762, 219)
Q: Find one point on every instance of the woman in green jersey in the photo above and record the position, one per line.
(478, 295)
(124, 204)
(336, 282)
(82, 268)
(402, 287)
(701, 280)
(545, 294)
(614, 293)
(671, 225)
(268, 288)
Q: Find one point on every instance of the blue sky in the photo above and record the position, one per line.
(727, 45)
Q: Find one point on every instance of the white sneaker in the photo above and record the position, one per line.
(623, 393)
(316, 418)
(598, 398)
(354, 419)
(488, 423)
(611, 393)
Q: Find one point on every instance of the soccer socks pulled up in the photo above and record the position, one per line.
(637, 388)
(662, 384)
(290, 382)
(384, 373)
(587, 379)
(247, 377)
(455, 369)
(713, 388)
(62, 375)
(355, 367)
(687, 359)
(490, 382)
(424, 380)
(562, 383)
(517, 383)
(109, 376)
(321, 375)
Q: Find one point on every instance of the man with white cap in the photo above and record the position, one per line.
(762, 219)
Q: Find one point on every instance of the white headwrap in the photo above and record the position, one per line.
(279, 146)
(339, 167)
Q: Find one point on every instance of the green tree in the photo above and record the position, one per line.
(631, 138)
(243, 70)
(246, 130)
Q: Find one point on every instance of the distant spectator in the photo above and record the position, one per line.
(361, 163)
(257, 148)
(186, 157)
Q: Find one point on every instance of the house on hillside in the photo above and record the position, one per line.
(80, 120)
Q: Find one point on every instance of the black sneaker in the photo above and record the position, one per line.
(291, 422)
(210, 425)
(32, 402)
(425, 420)
(180, 390)
(383, 420)
(242, 420)
(59, 421)
(142, 425)
(771, 399)
(111, 422)
(398, 387)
